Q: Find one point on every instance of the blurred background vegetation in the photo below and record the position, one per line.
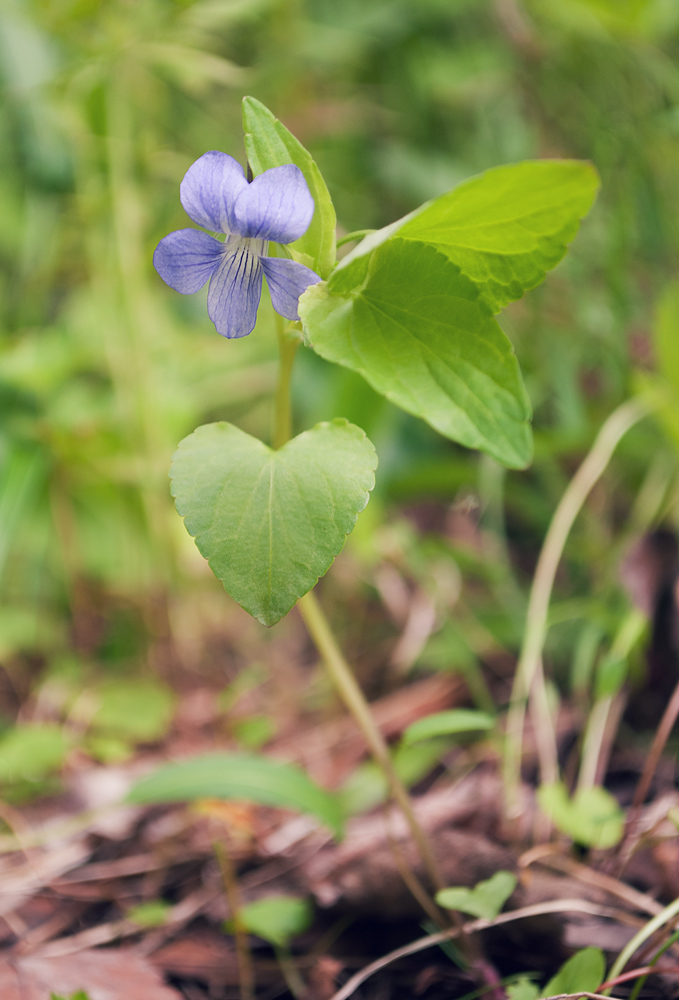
(105, 104)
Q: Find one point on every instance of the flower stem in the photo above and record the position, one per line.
(288, 342)
(352, 696)
(324, 640)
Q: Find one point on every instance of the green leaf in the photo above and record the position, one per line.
(240, 777)
(30, 753)
(507, 227)
(457, 720)
(611, 675)
(522, 989)
(153, 913)
(134, 709)
(277, 919)
(253, 731)
(592, 817)
(269, 522)
(485, 900)
(417, 332)
(583, 973)
(268, 144)
(367, 786)
(108, 749)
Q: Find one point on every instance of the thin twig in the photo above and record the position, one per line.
(662, 735)
(549, 856)
(647, 931)
(645, 970)
(537, 910)
(246, 972)
(574, 996)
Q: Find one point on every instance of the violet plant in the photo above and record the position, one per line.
(412, 309)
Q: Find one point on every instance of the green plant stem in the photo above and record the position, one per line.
(354, 699)
(614, 429)
(354, 237)
(644, 934)
(607, 707)
(288, 342)
(410, 879)
(290, 972)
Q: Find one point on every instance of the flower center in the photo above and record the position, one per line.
(250, 244)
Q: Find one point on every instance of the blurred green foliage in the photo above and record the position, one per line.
(105, 103)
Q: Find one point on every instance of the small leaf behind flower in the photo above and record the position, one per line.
(244, 777)
(268, 144)
(485, 900)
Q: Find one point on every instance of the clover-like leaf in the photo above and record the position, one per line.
(592, 817)
(268, 143)
(510, 225)
(270, 522)
(485, 900)
(413, 326)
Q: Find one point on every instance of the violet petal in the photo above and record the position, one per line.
(235, 291)
(287, 280)
(210, 188)
(187, 259)
(276, 206)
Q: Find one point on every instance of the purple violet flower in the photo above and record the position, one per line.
(275, 206)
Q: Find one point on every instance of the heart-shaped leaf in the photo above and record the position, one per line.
(269, 522)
